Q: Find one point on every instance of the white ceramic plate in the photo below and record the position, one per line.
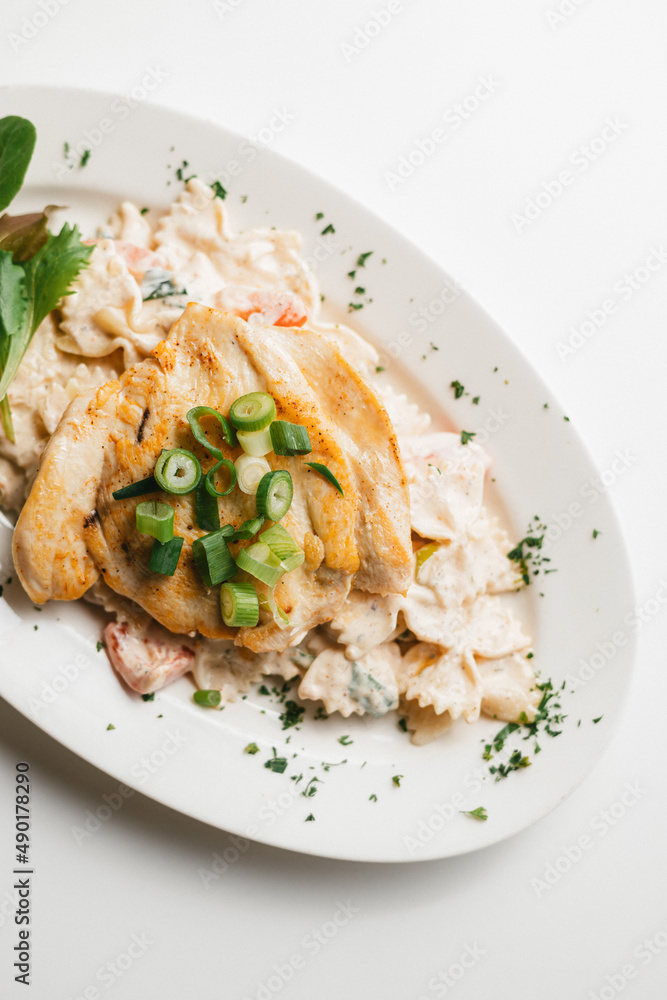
(192, 759)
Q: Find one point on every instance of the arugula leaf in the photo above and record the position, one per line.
(17, 142)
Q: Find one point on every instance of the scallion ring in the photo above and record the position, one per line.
(248, 529)
(212, 558)
(289, 439)
(250, 469)
(165, 556)
(256, 442)
(196, 414)
(283, 546)
(207, 514)
(274, 494)
(267, 605)
(207, 699)
(260, 562)
(156, 519)
(327, 474)
(177, 471)
(239, 604)
(210, 478)
(139, 489)
(253, 412)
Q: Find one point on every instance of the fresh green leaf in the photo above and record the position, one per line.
(48, 277)
(24, 235)
(17, 142)
(480, 813)
(12, 297)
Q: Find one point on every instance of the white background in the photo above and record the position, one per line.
(556, 81)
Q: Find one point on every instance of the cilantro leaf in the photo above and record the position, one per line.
(17, 142)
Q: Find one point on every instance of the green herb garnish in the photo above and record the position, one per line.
(362, 258)
(276, 763)
(252, 748)
(480, 813)
(467, 436)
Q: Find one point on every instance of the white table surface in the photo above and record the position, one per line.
(600, 929)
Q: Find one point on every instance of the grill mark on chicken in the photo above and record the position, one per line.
(142, 424)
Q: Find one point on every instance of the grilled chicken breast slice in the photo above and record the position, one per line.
(71, 529)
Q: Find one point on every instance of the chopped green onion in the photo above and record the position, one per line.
(274, 494)
(155, 518)
(206, 509)
(250, 469)
(209, 481)
(178, 471)
(328, 475)
(256, 442)
(260, 562)
(289, 439)
(139, 489)
(253, 412)
(267, 604)
(239, 604)
(213, 559)
(165, 556)
(207, 699)
(196, 414)
(283, 546)
(248, 529)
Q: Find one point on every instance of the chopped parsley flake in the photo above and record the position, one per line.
(403, 725)
(527, 554)
(110, 726)
(328, 229)
(264, 690)
(397, 780)
(362, 258)
(380, 368)
(276, 763)
(320, 713)
(252, 748)
(351, 306)
(458, 389)
(320, 215)
(467, 436)
(309, 818)
(475, 400)
(85, 156)
(148, 697)
(351, 274)
(292, 715)
(596, 533)
(434, 347)
(480, 813)
(244, 198)
(310, 789)
(345, 740)
(359, 290)
(99, 645)
(595, 721)
(143, 211)
(216, 187)
(372, 798)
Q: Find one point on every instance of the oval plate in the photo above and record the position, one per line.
(430, 332)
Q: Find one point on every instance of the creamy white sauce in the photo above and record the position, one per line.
(465, 652)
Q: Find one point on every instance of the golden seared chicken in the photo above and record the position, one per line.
(71, 530)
